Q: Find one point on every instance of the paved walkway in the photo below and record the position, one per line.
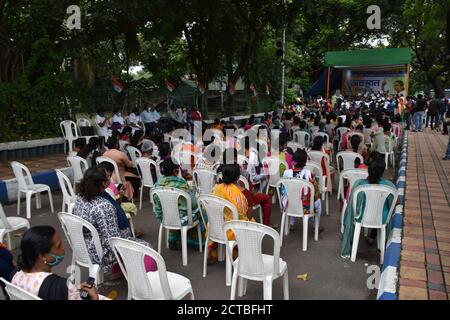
(425, 256)
(35, 164)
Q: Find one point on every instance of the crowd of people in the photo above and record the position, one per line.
(372, 124)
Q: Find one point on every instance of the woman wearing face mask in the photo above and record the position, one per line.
(42, 249)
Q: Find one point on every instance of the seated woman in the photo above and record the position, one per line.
(126, 134)
(95, 206)
(170, 178)
(317, 145)
(126, 169)
(90, 151)
(300, 158)
(41, 249)
(376, 170)
(136, 139)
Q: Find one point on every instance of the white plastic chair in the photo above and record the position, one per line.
(123, 145)
(252, 264)
(73, 226)
(351, 176)
(168, 198)
(317, 156)
(16, 293)
(295, 146)
(69, 132)
(83, 122)
(339, 132)
(116, 175)
(274, 169)
(26, 185)
(66, 189)
(79, 167)
(294, 189)
(381, 148)
(367, 138)
(204, 180)
(317, 170)
(348, 160)
(372, 214)
(144, 169)
(326, 137)
(9, 225)
(134, 154)
(351, 134)
(213, 208)
(303, 138)
(154, 285)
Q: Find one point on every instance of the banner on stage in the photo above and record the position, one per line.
(362, 82)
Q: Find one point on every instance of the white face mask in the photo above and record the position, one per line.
(119, 114)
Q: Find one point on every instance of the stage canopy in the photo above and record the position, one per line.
(358, 71)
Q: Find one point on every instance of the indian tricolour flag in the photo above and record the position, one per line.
(117, 86)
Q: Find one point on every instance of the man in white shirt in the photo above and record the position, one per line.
(150, 118)
(102, 124)
(134, 120)
(118, 122)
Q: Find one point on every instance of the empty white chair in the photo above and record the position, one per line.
(116, 175)
(168, 198)
(73, 227)
(204, 180)
(9, 225)
(134, 154)
(348, 160)
(317, 170)
(16, 293)
(303, 138)
(295, 188)
(252, 264)
(350, 176)
(26, 185)
(66, 189)
(142, 285)
(79, 167)
(70, 133)
(388, 152)
(144, 169)
(213, 208)
(372, 214)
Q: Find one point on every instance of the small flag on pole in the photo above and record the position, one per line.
(170, 86)
(117, 86)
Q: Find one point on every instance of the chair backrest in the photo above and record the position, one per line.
(73, 227)
(116, 175)
(144, 169)
(340, 131)
(302, 138)
(243, 181)
(134, 154)
(213, 207)
(249, 236)
(168, 198)
(65, 185)
(351, 176)
(295, 188)
(349, 136)
(375, 196)
(16, 293)
(380, 142)
(295, 146)
(348, 159)
(274, 168)
(204, 180)
(110, 192)
(317, 156)
(123, 145)
(242, 161)
(367, 138)
(23, 175)
(316, 169)
(83, 122)
(130, 256)
(325, 136)
(79, 167)
(3, 219)
(397, 129)
(69, 129)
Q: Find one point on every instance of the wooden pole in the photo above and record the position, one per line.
(328, 82)
(407, 80)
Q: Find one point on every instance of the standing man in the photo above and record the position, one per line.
(418, 113)
(433, 114)
(150, 118)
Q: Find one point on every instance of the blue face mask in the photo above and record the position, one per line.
(58, 260)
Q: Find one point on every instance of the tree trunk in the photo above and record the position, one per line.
(436, 84)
